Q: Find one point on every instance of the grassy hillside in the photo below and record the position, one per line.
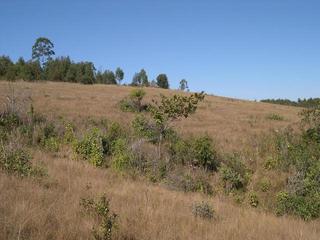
(48, 207)
(231, 122)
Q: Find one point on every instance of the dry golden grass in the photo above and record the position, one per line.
(49, 209)
(232, 123)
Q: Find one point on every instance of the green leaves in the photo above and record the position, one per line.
(42, 50)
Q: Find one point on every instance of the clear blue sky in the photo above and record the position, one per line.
(249, 49)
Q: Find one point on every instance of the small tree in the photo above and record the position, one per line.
(119, 75)
(184, 85)
(42, 50)
(140, 79)
(171, 109)
(162, 81)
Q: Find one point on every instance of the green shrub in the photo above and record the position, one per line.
(181, 151)
(90, 148)
(121, 155)
(234, 173)
(305, 207)
(100, 209)
(265, 185)
(143, 128)
(275, 117)
(69, 136)
(203, 210)
(188, 183)
(133, 103)
(52, 144)
(204, 153)
(114, 132)
(16, 160)
(253, 199)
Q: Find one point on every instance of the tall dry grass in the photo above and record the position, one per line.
(232, 123)
(50, 209)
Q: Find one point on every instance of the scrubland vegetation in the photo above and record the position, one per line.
(109, 162)
(134, 162)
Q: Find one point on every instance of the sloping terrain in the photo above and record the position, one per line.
(49, 208)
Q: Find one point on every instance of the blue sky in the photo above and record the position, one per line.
(247, 49)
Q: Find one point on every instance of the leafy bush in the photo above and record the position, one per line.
(234, 173)
(253, 199)
(69, 136)
(204, 153)
(304, 207)
(16, 160)
(100, 209)
(143, 128)
(121, 155)
(195, 151)
(133, 103)
(203, 210)
(275, 117)
(188, 183)
(47, 136)
(265, 185)
(90, 148)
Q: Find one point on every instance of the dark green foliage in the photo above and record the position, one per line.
(42, 50)
(57, 69)
(107, 77)
(100, 210)
(140, 79)
(204, 153)
(5, 64)
(16, 160)
(119, 74)
(143, 128)
(303, 206)
(162, 81)
(183, 85)
(203, 210)
(197, 151)
(301, 153)
(133, 103)
(234, 173)
(306, 103)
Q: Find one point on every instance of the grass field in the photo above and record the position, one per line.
(49, 208)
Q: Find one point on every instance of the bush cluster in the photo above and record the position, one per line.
(100, 209)
(234, 174)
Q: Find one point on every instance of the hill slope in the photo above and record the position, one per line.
(49, 208)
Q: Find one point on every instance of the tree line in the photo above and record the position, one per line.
(43, 66)
(306, 102)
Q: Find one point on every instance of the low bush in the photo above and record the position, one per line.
(253, 199)
(198, 152)
(203, 210)
(133, 103)
(100, 210)
(234, 173)
(264, 185)
(306, 207)
(188, 183)
(16, 160)
(90, 148)
(275, 117)
(121, 155)
(204, 153)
